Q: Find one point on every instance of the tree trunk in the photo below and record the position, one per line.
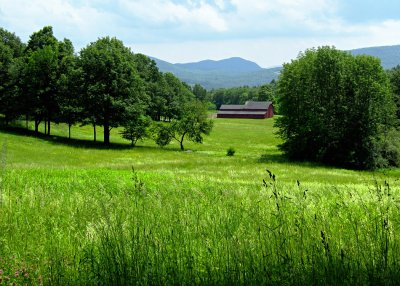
(69, 131)
(94, 133)
(45, 127)
(181, 142)
(106, 133)
(48, 127)
(37, 122)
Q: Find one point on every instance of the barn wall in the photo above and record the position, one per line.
(243, 116)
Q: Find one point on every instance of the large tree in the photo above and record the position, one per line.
(177, 94)
(394, 75)
(42, 75)
(155, 86)
(69, 86)
(113, 89)
(11, 48)
(336, 109)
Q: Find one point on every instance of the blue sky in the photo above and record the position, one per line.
(269, 32)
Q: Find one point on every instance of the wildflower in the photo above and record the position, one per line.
(1, 271)
(16, 274)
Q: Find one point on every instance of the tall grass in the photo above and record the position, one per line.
(96, 228)
(73, 213)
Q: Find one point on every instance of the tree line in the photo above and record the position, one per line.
(239, 95)
(105, 84)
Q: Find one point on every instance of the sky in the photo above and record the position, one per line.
(268, 32)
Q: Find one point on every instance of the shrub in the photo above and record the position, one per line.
(230, 151)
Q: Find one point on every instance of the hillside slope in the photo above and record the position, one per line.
(236, 71)
(389, 55)
(216, 74)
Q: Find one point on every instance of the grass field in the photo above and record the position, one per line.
(73, 212)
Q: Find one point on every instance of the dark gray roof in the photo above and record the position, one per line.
(257, 105)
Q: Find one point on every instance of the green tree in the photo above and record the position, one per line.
(192, 124)
(69, 87)
(41, 83)
(394, 75)
(155, 85)
(199, 92)
(136, 128)
(11, 48)
(113, 89)
(336, 109)
(46, 65)
(176, 95)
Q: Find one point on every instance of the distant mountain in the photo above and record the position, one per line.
(389, 55)
(224, 73)
(235, 72)
(238, 65)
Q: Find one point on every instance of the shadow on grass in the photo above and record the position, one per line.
(75, 142)
(281, 158)
(56, 139)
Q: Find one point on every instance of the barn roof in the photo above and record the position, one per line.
(249, 105)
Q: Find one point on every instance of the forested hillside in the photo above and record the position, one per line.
(236, 72)
(221, 74)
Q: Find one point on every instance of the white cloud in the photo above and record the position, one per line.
(81, 22)
(269, 32)
(167, 12)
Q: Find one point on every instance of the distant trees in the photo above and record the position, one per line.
(337, 109)
(106, 84)
(239, 95)
(199, 92)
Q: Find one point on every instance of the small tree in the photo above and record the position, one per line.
(136, 129)
(192, 125)
(162, 134)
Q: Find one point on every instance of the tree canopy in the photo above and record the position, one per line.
(113, 89)
(191, 124)
(336, 109)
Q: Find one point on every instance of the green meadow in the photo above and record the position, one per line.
(73, 212)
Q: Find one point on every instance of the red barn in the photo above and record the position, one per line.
(251, 109)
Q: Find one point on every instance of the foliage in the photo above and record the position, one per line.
(230, 152)
(176, 95)
(239, 95)
(105, 85)
(336, 109)
(136, 128)
(199, 92)
(394, 76)
(192, 124)
(113, 89)
(161, 133)
(11, 48)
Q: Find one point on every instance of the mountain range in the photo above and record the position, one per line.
(236, 71)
